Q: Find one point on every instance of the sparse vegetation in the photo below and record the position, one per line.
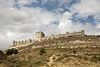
(74, 51)
(53, 54)
(2, 56)
(42, 51)
(95, 58)
(33, 59)
(15, 51)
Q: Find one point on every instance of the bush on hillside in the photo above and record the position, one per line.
(15, 51)
(11, 51)
(2, 55)
(95, 58)
(42, 51)
(74, 51)
(1, 52)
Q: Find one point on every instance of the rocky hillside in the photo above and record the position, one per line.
(50, 58)
(61, 52)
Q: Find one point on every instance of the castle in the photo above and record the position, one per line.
(40, 36)
(74, 41)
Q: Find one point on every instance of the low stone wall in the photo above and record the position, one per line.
(23, 42)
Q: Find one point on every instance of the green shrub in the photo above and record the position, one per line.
(74, 51)
(11, 51)
(2, 55)
(15, 51)
(1, 52)
(42, 51)
(95, 58)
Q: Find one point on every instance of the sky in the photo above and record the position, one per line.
(20, 19)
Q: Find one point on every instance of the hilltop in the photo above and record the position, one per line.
(70, 51)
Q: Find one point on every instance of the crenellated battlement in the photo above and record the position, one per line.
(22, 42)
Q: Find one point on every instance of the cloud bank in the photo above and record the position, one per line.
(20, 19)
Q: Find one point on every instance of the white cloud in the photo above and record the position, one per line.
(23, 1)
(84, 8)
(65, 22)
(98, 25)
(17, 24)
(67, 25)
(87, 7)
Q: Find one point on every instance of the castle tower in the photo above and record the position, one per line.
(39, 36)
(14, 43)
(82, 32)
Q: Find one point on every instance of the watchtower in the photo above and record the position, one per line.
(82, 32)
(40, 36)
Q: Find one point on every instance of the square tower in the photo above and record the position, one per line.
(82, 32)
(39, 36)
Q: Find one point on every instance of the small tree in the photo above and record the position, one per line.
(15, 51)
(11, 51)
(1, 52)
(42, 51)
(74, 51)
(2, 55)
(95, 58)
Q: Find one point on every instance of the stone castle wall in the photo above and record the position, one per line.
(22, 42)
(40, 36)
(81, 33)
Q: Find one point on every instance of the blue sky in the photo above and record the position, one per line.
(20, 19)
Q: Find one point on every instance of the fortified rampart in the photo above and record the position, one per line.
(22, 42)
(75, 41)
(41, 36)
(70, 38)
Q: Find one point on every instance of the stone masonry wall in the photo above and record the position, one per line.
(22, 42)
(81, 33)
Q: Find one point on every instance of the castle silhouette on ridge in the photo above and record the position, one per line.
(40, 36)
